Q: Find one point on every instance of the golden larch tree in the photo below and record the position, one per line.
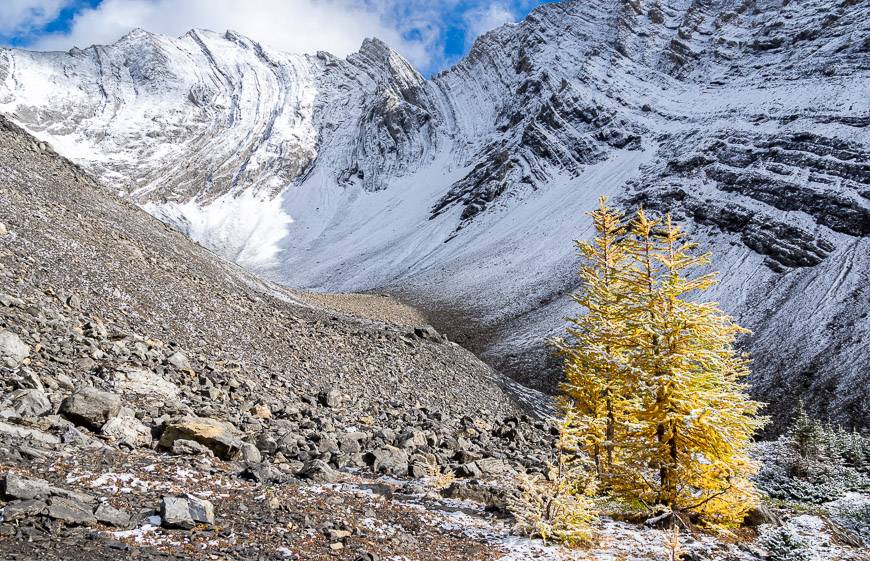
(594, 362)
(653, 378)
(696, 415)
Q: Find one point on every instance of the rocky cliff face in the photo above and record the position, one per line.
(748, 119)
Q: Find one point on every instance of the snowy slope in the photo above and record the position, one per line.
(749, 119)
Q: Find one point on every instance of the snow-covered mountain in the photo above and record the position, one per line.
(750, 119)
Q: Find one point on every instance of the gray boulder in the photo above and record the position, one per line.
(31, 403)
(17, 487)
(389, 460)
(127, 430)
(201, 510)
(318, 471)
(91, 407)
(175, 513)
(111, 516)
(186, 512)
(71, 512)
(179, 360)
(12, 349)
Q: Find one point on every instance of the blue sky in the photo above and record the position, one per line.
(431, 34)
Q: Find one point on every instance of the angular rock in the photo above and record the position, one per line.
(72, 512)
(111, 516)
(12, 349)
(127, 430)
(318, 471)
(186, 512)
(17, 487)
(201, 510)
(390, 460)
(175, 513)
(31, 403)
(18, 510)
(215, 435)
(179, 360)
(91, 407)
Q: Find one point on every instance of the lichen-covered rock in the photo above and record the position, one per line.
(217, 436)
(127, 430)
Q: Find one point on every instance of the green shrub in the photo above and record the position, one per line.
(784, 545)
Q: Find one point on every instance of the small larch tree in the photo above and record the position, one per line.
(594, 363)
(653, 376)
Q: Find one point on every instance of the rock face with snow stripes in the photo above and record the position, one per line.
(747, 119)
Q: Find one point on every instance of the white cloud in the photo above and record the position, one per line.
(486, 18)
(415, 28)
(337, 26)
(21, 16)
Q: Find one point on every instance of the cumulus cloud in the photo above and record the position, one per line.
(338, 26)
(23, 16)
(481, 19)
(415, 28)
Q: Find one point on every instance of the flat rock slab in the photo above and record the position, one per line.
(28, 433)
(217, 436)
(18, 510)
(71, 512)
(111, 516)
(17, 487)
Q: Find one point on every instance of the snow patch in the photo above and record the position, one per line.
(244, 227)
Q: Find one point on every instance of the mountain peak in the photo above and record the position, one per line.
(377, 54)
